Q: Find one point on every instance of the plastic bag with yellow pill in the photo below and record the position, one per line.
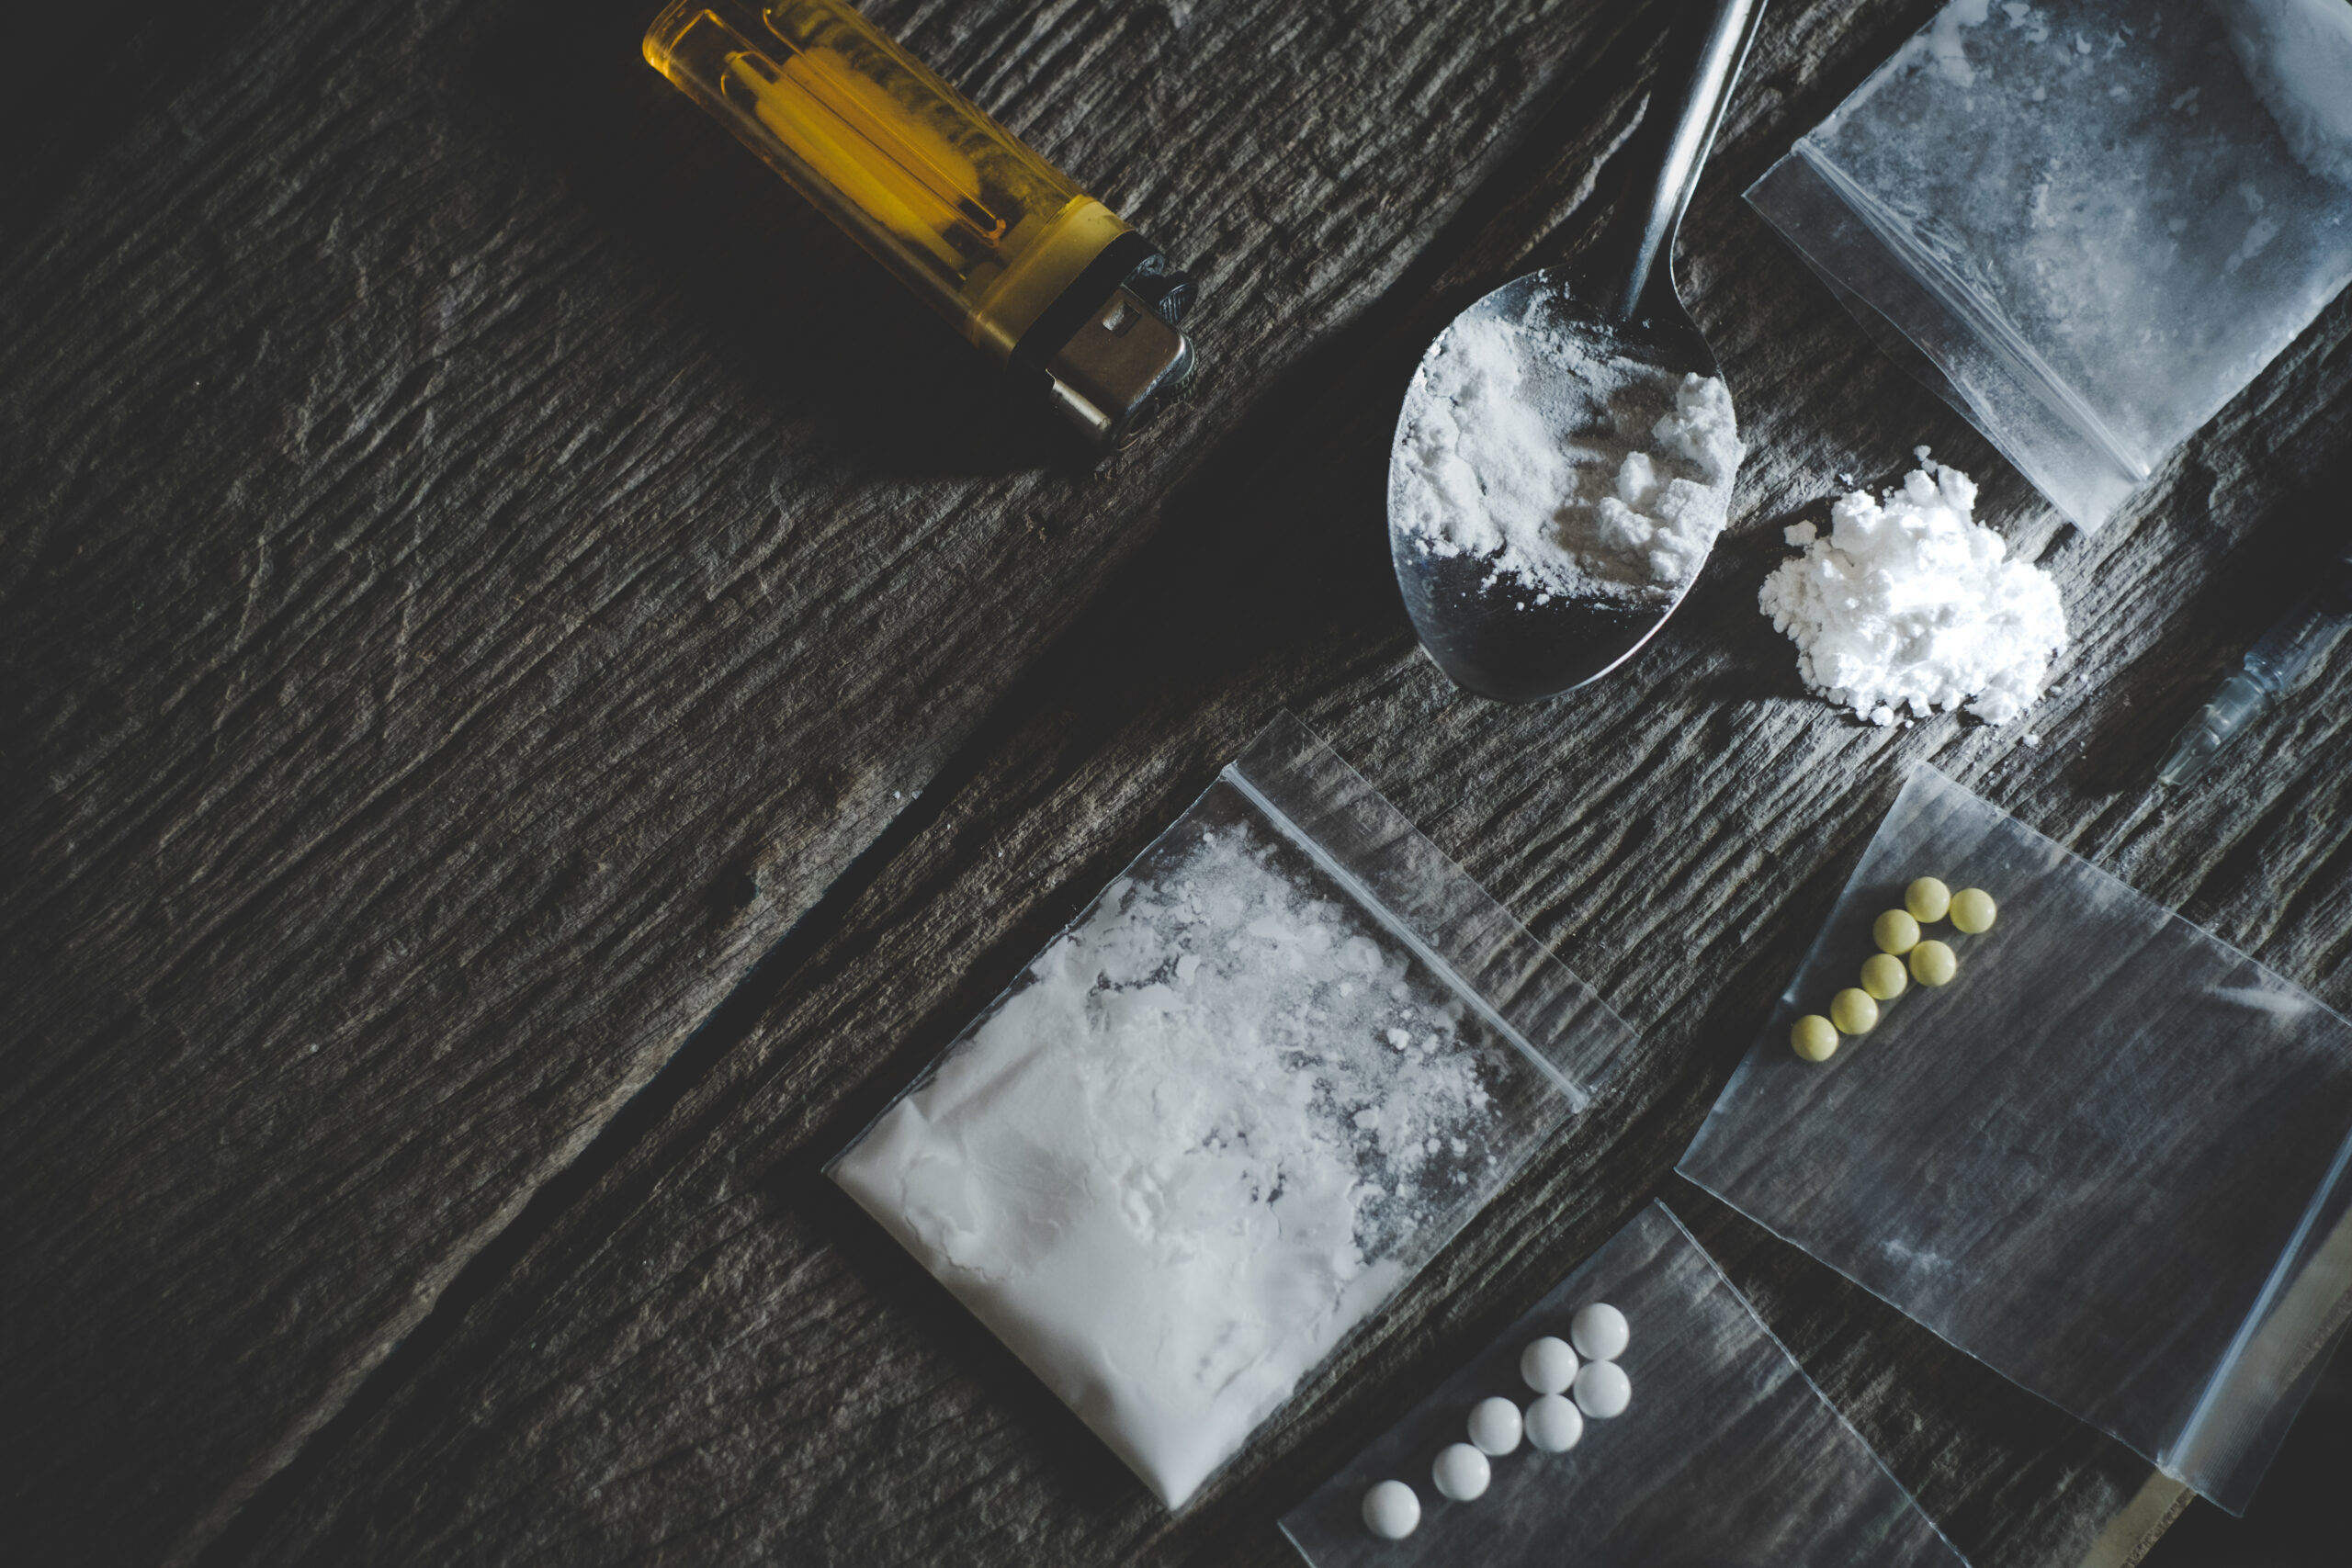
(2107, 1156)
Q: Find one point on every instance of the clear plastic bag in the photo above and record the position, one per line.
(1727, 1454)
(2108, 1158)
(1233, 1108)
(2087, 223)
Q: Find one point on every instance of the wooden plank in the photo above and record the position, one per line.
(56, 122)
(481, 558)
(714, 1358)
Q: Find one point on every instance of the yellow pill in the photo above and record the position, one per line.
(1882, 977)
(1895, 931)
(1932, 964)
(1813, 1038)
(1852, 1010)
(1973, 910)
(1927, 900)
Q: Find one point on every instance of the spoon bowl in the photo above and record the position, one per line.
(1529, 645)
(1525, 646)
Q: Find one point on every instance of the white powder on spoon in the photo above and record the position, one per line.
(1910, 604)
(1180, 1159)
(1574, 474)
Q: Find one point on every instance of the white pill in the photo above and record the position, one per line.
(1600, 1332)
(1391, 1510)
(1548, 1366)
(1603, 1390)
(1461, 1473)
(1494, 1425)
(1554, 1424)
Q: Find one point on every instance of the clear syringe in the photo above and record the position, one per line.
(2285, 658)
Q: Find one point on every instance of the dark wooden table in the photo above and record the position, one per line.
(539, 689)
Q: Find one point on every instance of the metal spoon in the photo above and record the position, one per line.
(1486, 638)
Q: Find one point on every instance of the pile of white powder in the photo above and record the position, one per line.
(1910, 604)
(1217, 1124)
(1579, 476)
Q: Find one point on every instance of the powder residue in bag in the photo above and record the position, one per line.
(2298, 56)
(1910, 604)
(1571, 473)
(2098, 220)
(1180, 1160)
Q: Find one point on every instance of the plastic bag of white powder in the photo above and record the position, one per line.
(2087, 223)
(1232, 1108)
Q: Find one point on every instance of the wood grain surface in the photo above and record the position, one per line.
(482, 558)
(496, 598)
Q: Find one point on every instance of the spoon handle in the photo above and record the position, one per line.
(1727, 28)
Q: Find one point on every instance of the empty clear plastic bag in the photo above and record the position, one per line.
(1725, 1454)
(2107, 1158)
(1232, 1108)
(2087, 223)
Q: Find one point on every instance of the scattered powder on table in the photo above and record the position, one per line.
(1909, 603)
(1180, 1160)
(1575, 475)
